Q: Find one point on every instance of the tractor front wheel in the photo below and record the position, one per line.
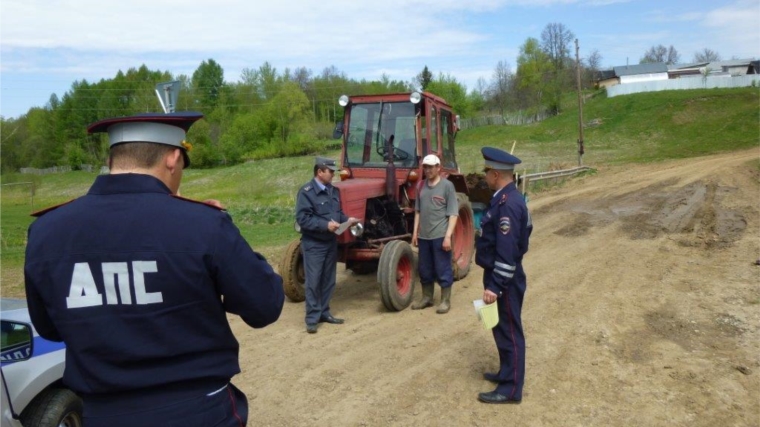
(397, 275)
(292, 272)
(463, 241)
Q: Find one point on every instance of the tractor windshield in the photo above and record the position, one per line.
(375, 127)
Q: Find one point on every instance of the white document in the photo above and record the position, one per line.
(478, 303)
(343, 227)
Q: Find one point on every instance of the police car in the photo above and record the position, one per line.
(32, 368)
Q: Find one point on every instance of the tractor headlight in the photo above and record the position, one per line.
(357, 229)
(415, 97)
(343, 100)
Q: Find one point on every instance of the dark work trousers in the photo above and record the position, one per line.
(319, 262)
(434, 263)
(509, 337)
(227, 407)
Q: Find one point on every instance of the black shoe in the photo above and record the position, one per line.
(332, 320)
(491, 376)
(311, 328)
(494, 397)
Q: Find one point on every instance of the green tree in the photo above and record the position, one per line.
(291, 111)
(424, 78)
(14, 133)
(455, 93)
(555, 41)
(534, 71)
(268, 81)
(207, 83)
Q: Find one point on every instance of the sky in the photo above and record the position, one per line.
(46, 45)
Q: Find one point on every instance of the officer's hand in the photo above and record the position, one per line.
(354, 220)
(489, 297)
(447, 244)
(332, 225)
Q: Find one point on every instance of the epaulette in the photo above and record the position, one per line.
(197, 201)
(503, 199)
(41, 212)
(307, 188)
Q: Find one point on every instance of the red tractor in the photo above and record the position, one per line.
(385, 138)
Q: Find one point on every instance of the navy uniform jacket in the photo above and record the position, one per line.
(506, 228)
(137, 283)
(315, 208)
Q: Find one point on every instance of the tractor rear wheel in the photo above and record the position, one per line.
(397, 275)
(463, 241)
(292, 272)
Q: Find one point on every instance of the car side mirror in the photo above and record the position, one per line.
(16, 341)
(338, 131)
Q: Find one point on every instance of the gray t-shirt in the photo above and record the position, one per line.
(435, 205)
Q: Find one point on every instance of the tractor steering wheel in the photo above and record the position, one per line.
(398, 154)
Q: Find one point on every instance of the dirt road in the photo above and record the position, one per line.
(642, 309)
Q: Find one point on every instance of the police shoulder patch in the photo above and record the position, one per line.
(504, 225)
(503, 199)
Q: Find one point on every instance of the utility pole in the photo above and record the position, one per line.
(580, 106)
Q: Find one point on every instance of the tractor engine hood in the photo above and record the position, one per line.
(355, 192)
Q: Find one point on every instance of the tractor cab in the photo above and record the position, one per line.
(398, 128)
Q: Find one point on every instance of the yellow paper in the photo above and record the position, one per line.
(489, 315)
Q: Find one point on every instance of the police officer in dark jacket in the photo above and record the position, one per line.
(138, 281)
(318, 214)
(506, 228)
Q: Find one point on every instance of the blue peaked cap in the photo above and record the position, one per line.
(499, 159)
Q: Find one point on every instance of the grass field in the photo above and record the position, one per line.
(260, 195)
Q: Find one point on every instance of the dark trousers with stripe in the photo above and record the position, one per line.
(509, 337)
(434, 263)
(228, 407)
(319, 262)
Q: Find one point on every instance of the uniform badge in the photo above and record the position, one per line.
(504, 224)
(503, 199)
(307, 188)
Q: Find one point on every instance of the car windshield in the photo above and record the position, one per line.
(373, 127)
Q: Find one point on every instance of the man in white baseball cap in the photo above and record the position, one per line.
(435, 217)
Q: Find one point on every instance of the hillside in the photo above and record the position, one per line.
(260, 195)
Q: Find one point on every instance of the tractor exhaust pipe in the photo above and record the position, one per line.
(391, 187)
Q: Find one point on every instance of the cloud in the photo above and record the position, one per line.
(735, 25)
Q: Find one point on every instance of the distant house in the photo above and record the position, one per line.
(731, 68)
(633, 74)
(738, 67)
(754, 67)
(642, 72)
(606, 78)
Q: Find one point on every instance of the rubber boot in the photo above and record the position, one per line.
(427, 297)
(445, 301)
